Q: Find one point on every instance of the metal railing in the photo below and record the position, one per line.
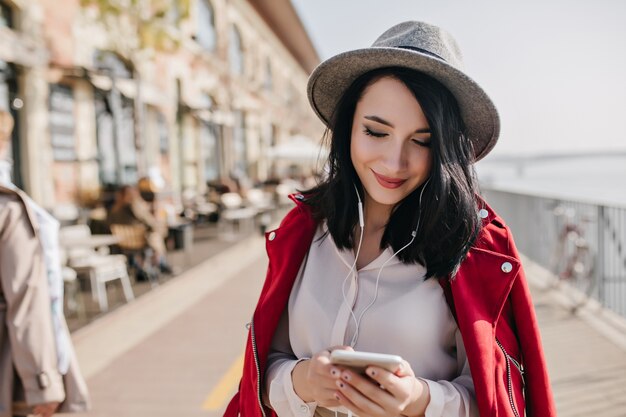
(541, 224)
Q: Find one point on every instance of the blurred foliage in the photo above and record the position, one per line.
(156, 23)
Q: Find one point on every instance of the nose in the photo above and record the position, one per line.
(395, 157)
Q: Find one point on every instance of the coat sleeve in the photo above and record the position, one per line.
(28, 318)
(538, 393)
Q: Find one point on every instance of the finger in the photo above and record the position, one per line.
(367, 386)
(361, 403)
(327, 397)
(38, 409)
(385, 379)
(341, 347)
(44, 410)
(369, 389)
(345, 401)
(40, 412)
(405, 369)
(325, 373)
(336, 370)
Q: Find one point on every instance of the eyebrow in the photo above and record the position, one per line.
(387, 123)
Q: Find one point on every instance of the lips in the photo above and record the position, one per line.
(388, 182)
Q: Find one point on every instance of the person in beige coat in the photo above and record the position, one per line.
(30, 381)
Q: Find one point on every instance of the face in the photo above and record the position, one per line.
(390, 146)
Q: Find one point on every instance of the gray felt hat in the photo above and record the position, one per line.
(419, 46)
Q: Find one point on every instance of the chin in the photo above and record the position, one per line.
(388, 198)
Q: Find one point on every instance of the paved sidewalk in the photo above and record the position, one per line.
(177, 350)
(586, 352)
(163, 354)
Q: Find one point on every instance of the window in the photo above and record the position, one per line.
(107, 152)
(115, 123)
(61, 123)
(235, 51)
(126, 138)
(117, 156)
(206, 35)
(6, 15)
(240, 167)
(208, 140)
(163, 132)
(269, 79)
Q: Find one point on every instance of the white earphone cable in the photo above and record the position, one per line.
(413, 235)
(343, 284)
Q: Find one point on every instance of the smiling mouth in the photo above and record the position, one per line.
(388, 182)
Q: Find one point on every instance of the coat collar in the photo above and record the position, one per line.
(23, 198)
(486, 276)
(482, 284)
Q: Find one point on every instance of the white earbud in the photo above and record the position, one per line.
(360, 206)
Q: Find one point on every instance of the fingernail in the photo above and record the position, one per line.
(337, 396)
(340, 384)
(372, 372)
(346, 377)
(334, 372)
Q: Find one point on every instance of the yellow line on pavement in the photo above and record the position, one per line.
(220, 394)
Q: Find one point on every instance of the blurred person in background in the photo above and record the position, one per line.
(39, 373)
(130, 209)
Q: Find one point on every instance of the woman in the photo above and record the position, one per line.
(395, 253)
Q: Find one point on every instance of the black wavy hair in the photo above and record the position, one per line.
(449, 223)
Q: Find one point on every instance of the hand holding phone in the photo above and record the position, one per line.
(359, 361)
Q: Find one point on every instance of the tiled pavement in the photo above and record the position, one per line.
(176, 350)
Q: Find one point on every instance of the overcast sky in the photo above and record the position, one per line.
(556, 69)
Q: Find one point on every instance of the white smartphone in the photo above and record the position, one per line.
(359, 361)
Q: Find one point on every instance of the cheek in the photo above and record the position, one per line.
(423, 164)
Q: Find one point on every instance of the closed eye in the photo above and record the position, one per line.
(370, 132)
(422, 143)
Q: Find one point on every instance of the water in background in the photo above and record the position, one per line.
(597, 179)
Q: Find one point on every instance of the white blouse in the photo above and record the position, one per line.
(409, 317)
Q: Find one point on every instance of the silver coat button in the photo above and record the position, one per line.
(299, 197)
(482, 213)
(272, 236)
(304, 409)
(506, 267)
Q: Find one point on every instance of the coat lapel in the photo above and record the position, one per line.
(483, 283)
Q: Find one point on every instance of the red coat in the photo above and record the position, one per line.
(493, 308)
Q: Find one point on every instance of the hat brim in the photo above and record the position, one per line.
(331, 79)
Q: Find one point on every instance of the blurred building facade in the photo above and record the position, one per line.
(95, 108)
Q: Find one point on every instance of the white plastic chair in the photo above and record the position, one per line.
(73, 299)
(100, 268)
